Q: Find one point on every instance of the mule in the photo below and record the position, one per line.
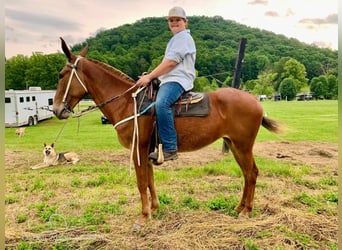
(235, 116)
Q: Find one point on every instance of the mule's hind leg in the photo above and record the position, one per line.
(245, 159)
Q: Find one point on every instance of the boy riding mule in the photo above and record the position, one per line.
(235, 116)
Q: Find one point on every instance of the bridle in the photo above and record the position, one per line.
(90, 108)
(73, 72)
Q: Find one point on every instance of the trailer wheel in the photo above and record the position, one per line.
(30, 121)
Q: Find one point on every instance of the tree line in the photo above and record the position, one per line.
(272, 63)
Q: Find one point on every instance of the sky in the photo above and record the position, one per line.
(35, 26)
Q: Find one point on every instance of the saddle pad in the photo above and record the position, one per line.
(199, 109)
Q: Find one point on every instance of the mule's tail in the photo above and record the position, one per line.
(271, 125)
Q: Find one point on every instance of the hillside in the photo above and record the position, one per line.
(133, 48)
(139, 47)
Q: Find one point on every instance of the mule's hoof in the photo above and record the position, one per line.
(136, 228)
(243, 216)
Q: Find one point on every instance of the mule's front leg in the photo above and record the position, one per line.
(154, 197)
(145, 205)
(142, 175)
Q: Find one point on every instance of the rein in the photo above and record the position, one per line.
(96, 107)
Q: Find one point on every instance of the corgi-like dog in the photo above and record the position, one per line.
(20, 132)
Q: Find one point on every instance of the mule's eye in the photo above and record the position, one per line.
(60, 76)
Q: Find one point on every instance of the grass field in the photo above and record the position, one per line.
(93, 205)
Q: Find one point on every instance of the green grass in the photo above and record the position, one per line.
(99, 195)
(86, 132)
(304, 121)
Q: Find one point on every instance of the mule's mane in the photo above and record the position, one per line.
(112, 70)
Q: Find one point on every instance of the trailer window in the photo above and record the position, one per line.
(50, 101)
(21, 99)
(28, 99)
(7, 99)
(33, 98)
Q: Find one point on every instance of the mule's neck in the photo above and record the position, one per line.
(106, 83)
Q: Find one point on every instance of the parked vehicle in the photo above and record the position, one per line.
(104, 120)
(304, 96)
(28, 107)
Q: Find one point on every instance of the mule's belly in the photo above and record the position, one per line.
(196, 133)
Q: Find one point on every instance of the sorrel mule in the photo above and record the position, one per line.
(234, 116)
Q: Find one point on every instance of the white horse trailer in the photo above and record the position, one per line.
(28, 107)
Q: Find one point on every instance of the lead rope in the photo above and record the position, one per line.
(78, 120)
(135, 137)
(60, 131)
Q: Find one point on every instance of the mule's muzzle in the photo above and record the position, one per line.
(62, 111)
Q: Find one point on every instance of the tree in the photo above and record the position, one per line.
(263, 85)
(278, 69)
(288, 67)
(15, 69)
(332, 92)
(287, 89)
(43, 70)
(201, 84)
(214, 85)
(295, 70)
(324, 87)
(318, 87)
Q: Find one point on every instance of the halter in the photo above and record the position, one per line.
(73, 72)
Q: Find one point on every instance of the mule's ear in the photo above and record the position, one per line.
(44, 144)
(52, 145)
(65, 49)
(84, 51)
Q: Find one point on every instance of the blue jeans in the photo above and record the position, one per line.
(168, 94)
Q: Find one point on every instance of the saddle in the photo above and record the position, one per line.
(189, 104)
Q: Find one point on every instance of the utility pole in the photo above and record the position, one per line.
(238, 63)
(236, 78)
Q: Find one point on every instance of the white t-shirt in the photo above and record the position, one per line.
(181, 48)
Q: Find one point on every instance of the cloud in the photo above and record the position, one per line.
(289, 12)
(331, 19)
(39, 21)
(271, 13)
(38, 28)
(322, 44)
(258, 2)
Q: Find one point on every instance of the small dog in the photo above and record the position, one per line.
(51, 158)
(20, 132)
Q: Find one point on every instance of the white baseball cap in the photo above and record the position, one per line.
(177, 12)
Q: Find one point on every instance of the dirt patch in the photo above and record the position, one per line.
(309, 153)
(280, 221)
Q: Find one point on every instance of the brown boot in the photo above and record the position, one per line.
(167, 156)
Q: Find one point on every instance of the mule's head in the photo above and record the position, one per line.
(71, 85)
